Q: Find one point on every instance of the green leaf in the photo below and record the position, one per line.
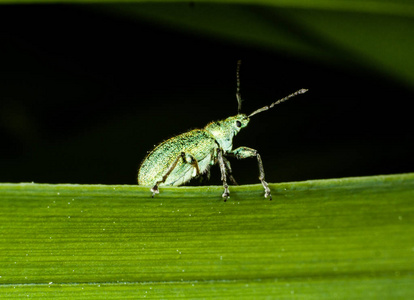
(339, 238)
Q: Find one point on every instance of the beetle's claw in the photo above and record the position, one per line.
(267, 190)
(154, 191)
(226, 194)
(267, 194)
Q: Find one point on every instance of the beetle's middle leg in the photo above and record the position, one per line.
(222, 165)
(245, 152)
(229, 171)
(187, 158)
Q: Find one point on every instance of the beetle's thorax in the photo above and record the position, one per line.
(224, 130)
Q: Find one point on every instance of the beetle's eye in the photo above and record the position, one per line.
(238, 123)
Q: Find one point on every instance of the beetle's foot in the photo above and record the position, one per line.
(267, 190)
(226, 194)
(155, 190)
(267, 194)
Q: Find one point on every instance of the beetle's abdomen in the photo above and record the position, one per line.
(199, 143)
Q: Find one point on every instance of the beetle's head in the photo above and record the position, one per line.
(236, 123)
(225, 130)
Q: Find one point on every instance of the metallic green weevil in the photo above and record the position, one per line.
(183, 157)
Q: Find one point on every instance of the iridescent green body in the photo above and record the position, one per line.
(179, 159)
(200, 145)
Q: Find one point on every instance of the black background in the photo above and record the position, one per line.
(85, 94)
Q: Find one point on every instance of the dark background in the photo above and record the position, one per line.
(84, 94)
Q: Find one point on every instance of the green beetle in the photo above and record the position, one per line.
(177, 160)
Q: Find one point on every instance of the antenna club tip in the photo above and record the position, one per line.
(302, 91)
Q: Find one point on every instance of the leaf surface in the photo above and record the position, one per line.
(321, 239)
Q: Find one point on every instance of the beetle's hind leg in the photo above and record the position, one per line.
(187, 158)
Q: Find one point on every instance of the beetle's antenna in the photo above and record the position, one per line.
(302, 91)
(238, 95)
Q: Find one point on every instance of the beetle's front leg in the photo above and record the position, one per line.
(245, 152)
(226, 193)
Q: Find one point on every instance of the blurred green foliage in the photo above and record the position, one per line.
(85, 101)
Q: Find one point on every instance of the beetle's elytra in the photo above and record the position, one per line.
(183, 157)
